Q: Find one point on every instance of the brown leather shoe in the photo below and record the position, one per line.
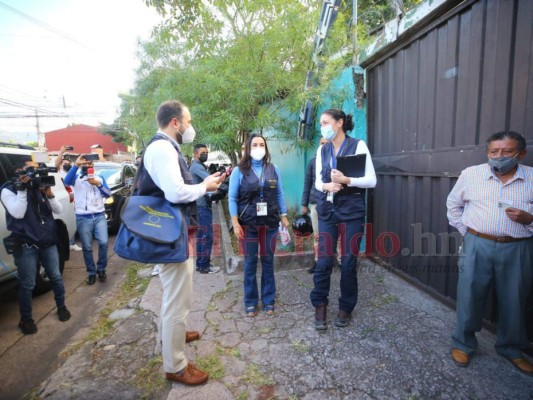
(460, 358)
(189, 375)
(191, 336)
(523, 365)
(320, 317)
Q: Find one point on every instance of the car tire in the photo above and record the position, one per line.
(115, 225)
(42, 283)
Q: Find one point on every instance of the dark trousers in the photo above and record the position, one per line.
(351, 233)
(204, 238)
(510, 267)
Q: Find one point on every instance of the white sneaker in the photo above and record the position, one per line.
(75, 247)
(156, 269)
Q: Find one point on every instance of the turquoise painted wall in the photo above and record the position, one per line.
(292, 163)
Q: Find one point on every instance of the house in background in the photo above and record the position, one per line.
(84, 139)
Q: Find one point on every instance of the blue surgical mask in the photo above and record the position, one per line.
(327, 132)
(503, 165)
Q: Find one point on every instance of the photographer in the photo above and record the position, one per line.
(90, 192)
(29, 203)
(204, 232)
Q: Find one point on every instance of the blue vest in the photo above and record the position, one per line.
(38, 226)
(250, 195)
(145, 186)
(345, 206)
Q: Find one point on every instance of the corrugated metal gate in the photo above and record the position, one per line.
(433, 100)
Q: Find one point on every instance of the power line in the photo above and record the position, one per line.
(43, 25)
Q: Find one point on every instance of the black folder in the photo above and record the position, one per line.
(353, 166)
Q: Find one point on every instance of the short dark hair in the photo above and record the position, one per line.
(168, 111)
(508, 135)
(337, 114)
(199, 146)
(17, 164)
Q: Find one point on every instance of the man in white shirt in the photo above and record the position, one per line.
(90, 192)
(163, 172)
(29, 207)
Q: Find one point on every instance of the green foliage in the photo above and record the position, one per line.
(234, 63)
(237, 64)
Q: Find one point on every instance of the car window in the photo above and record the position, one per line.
(7, 161)
(111, 175)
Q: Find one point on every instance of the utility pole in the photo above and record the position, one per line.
(40, 136)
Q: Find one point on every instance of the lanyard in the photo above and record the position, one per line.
(261, 181)
(333, 157)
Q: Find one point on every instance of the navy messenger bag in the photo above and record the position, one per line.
(153, 230)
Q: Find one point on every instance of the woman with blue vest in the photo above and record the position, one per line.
(256, 206)
(339, 213)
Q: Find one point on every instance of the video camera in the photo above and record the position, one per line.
(39, 178)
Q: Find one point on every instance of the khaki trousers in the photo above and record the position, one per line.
(176, 280)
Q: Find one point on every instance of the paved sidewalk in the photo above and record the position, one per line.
(397, 347)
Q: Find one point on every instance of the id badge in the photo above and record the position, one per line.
(330, 197)
(262, 209)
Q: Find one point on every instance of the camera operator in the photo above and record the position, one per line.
(29, 203)
(90, 192)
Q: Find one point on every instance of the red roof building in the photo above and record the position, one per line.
(81, 137)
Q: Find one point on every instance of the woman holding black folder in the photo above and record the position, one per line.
(341, 212)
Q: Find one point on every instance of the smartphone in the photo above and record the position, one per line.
(92, 157)
(69, 147)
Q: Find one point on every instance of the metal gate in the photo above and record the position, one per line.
(433, 100)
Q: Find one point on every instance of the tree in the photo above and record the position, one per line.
(235, 63)
(240, 65)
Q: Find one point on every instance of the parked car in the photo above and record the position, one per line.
(119, 178)
(66, 221)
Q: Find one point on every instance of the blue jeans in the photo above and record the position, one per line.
(265, 239)
(94, 225)
(26, 261)
(351, 233)
(204, 238)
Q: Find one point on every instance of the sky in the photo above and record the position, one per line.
(67, 57)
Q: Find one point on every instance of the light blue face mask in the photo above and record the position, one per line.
(327, 132)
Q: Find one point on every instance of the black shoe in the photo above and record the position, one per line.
(343, 319)
(320, 317)
(63, 314)
(210, 270)
(27, 326)
(91, 279)
(102, 276)
(312, 269)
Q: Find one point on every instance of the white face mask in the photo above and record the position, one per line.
(258, 153)
(188, 135)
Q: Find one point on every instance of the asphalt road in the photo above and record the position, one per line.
(25, 361)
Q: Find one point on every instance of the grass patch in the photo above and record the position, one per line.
(229, 351)
(300, 347)
(242, 396)
(254, 377)
(149, 378)
(367, 331)
(384, 300)
(132, 287)
(211, 364)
